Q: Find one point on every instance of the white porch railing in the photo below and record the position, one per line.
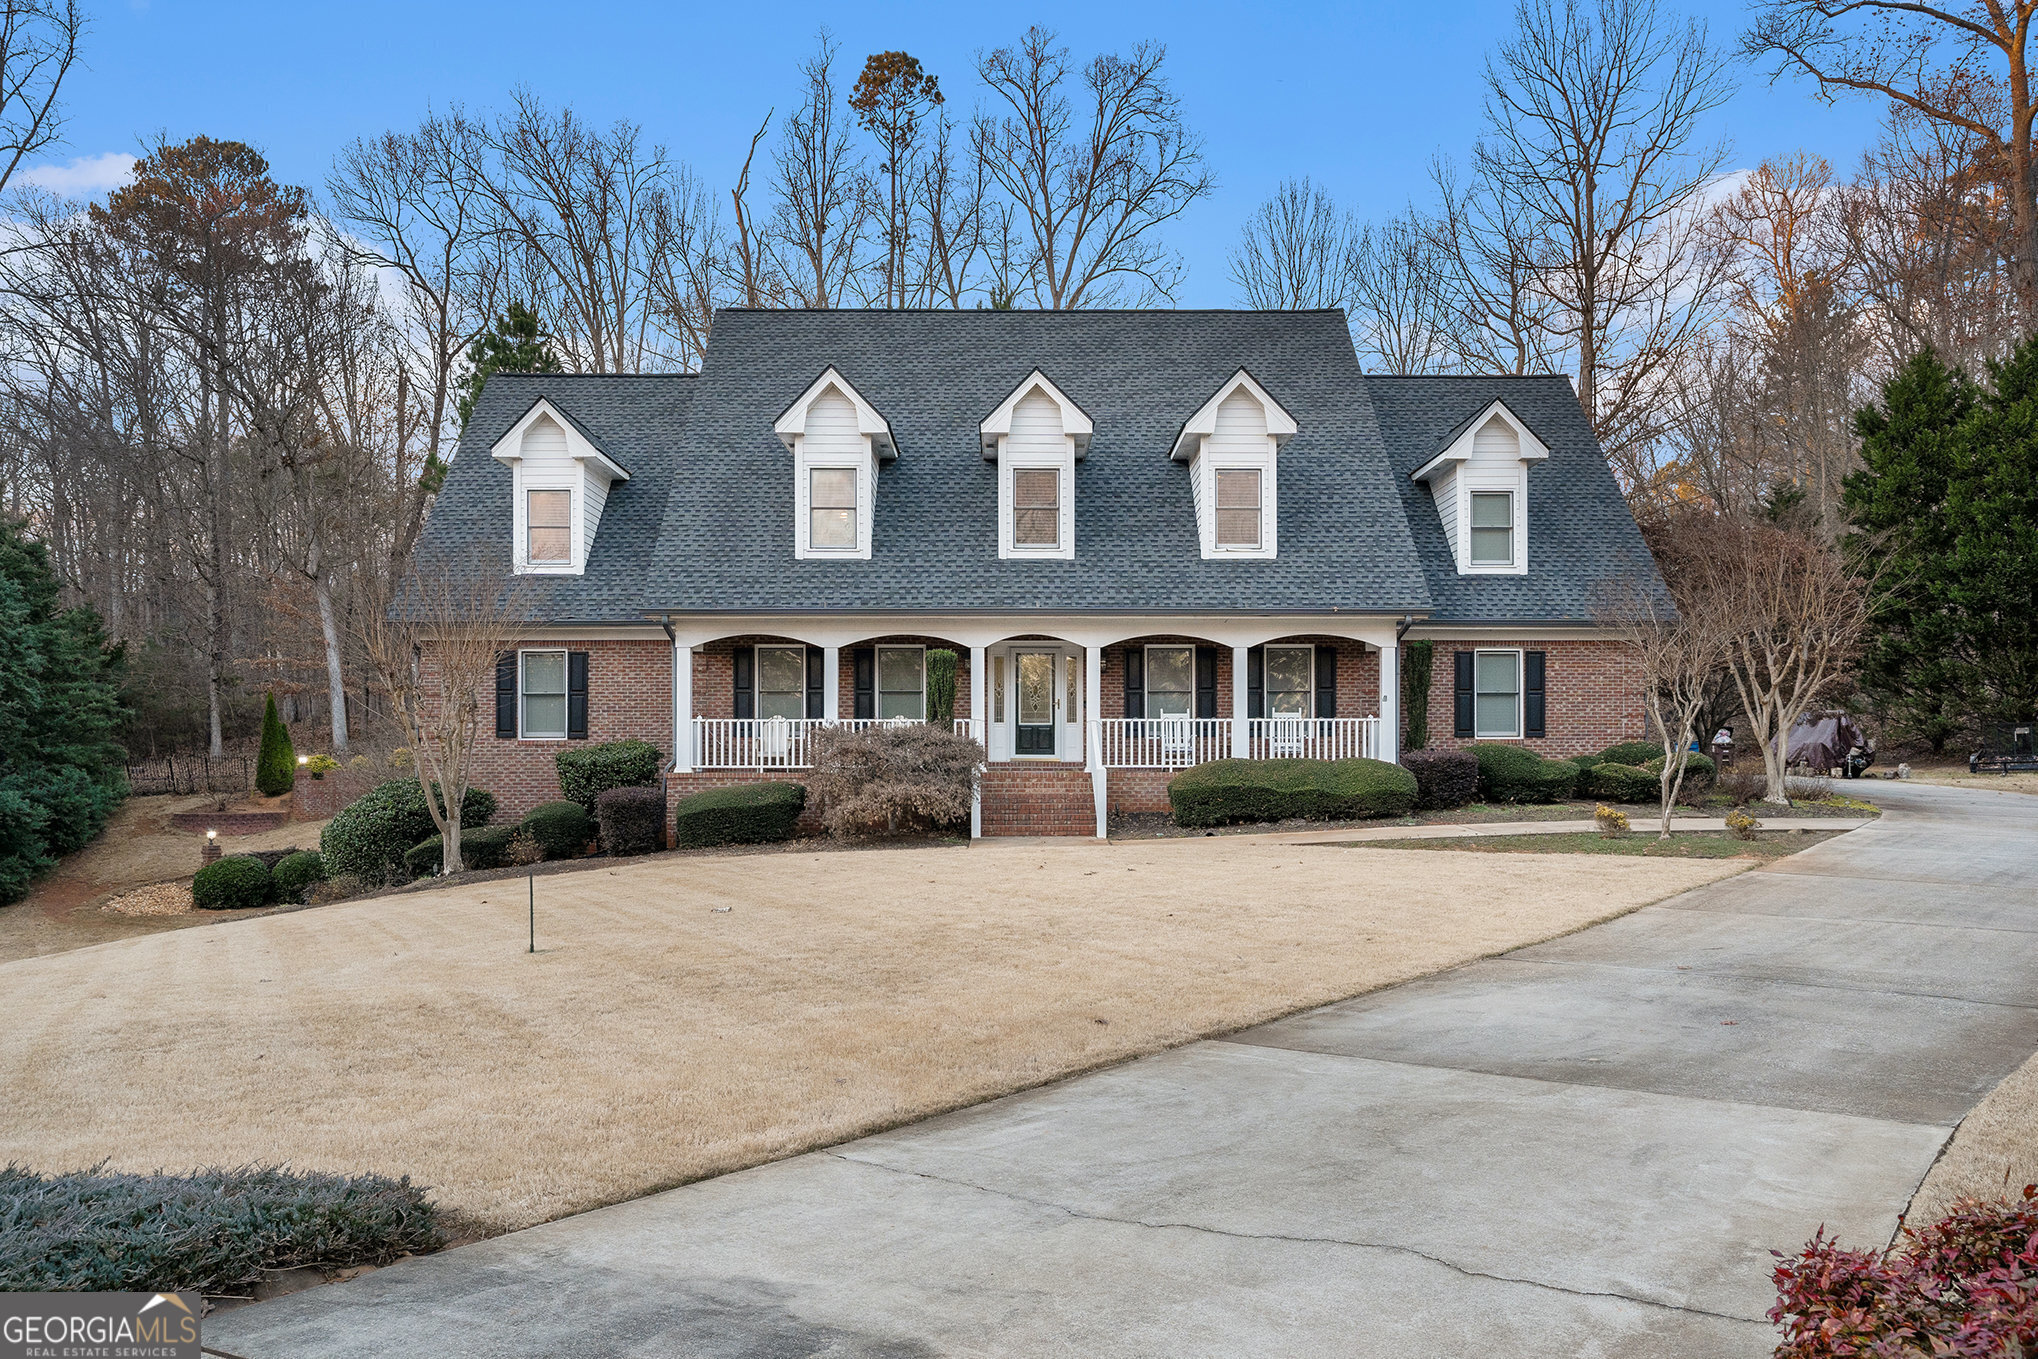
(1162, 742)
(778, 742)
(1314, 738)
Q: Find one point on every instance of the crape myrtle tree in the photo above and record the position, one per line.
(1947, 506)
(60, 766)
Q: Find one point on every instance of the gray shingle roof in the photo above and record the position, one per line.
(1580, 531)
(705, 522)
(727, 543)
(636, 421)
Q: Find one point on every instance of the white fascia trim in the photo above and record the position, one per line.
(1074, 423)
(510, 447)
(1280, 425)
(1532, 448)
(869, 423)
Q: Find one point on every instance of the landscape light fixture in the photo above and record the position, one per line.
(212, 835)
(304, 759)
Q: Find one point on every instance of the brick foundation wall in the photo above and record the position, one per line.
(1138, 790)
(1592, 695)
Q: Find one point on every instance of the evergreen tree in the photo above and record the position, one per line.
(60, 764)
(516, 343)
(1947, 506)
(276, 764)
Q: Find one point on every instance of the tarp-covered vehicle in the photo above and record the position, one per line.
(1829, 741)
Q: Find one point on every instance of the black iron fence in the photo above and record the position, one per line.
(192, 774)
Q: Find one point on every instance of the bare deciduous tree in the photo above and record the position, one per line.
(823, 205)
(1093, 188)
(1933, 60)
(1294, 253)
(38, 43)
(1397, 300)
(434, 656)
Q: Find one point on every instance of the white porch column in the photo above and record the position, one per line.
(1390, 703)
(980, 727)
(831, 683)
(1093, 734)
(1241, 736)
(682, 707)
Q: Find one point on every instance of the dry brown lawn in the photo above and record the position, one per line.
(656, 1038)
(1994, 1152)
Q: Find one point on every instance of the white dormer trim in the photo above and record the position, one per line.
(1471, 464)
(1075, 423)
(1034, 450)
(581, 469)
(1209, 451)
(860, 451)
(1201, 425)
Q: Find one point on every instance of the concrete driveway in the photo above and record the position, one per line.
(1587, 1147)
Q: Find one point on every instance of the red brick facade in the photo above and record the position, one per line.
(1592, 695)
(629, 697)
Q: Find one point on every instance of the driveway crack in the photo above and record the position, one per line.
(1386, 1246)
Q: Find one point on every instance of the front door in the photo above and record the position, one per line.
(1033, 732)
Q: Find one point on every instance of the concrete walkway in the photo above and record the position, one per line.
(1587, 1147)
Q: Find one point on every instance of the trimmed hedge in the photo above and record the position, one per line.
(1699, 772)
(562, 829)
(742, 814)
(632, 819)
(295, 873)
(236, 883)
(1515, 774)
(1586, 761)
(215, 1231)
(1634, 754)
(481, 847)
(370, 837)
(1443, 778)
(586, 774)
(1226, 791)
(1619, 783)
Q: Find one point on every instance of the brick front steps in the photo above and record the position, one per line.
(1038, 799)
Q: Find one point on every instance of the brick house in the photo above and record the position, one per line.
(1152, 538)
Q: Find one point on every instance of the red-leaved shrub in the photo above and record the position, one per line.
(1962, 1288)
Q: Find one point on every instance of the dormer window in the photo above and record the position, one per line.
(560, 481)
(1479, 480)
(1035, 437)
(837, 440)
(1232, 446)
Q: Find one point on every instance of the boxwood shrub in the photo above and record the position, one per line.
(1226, 791)
(562, 829)
(1632, 753)
(742, 814)
(480, 847)
(1515, 774)
(1586, 761)
(632, 819)
(370, 837)
(1611, 782)
(295, 873)
(588, 772)
(1443, 778)
(236, 883)
(1699, 772)
(215, 1231)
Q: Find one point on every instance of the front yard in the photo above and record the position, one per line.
(695, 1014)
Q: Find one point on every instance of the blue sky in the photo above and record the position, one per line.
(1357, 96)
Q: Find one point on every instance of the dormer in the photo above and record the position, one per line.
(1232, 445)
(559, 483)
(1035, 437)
(837, 440)
(1479, 480)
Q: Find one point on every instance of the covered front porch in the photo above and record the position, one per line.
(1138, 697)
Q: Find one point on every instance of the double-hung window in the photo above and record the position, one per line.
(1492, 528)
(549, 527)
(544, 695)
(831, 511)
(1036, 507)
(1496, 701)
(1290, 676)
(1170, 681)
(902, 682)
(782, 681)
(1238, 507)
